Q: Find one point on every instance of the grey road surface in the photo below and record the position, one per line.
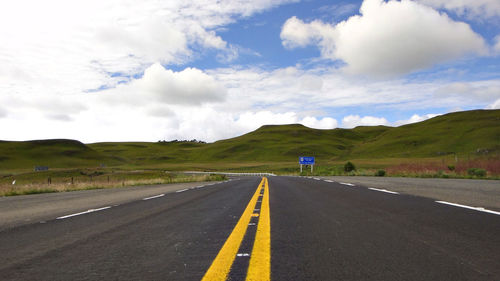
(479, 193)
(320, 230)
(19, 210)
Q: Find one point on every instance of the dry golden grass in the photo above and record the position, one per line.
(23, 189)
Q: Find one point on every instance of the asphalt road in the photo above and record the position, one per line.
(319, 230)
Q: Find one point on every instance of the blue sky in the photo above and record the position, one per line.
(109, 71)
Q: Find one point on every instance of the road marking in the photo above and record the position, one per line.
(82, 213)
(243, 255)
(480, 209)
(384, 190)
(252, 223)
(260, 261)
(220, 267)
(318, 179)
(182, 190)
(329, 181)
(346, 183)
(153, 197)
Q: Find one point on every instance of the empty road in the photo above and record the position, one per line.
(279, 228)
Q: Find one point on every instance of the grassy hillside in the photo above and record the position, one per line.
(53, 153)
(471, 133)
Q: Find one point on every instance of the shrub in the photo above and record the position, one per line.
(476, 172)
(451, 167)
(380, 173)
(349, 167)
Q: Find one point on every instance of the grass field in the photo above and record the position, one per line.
(445, 146)
(84, 179)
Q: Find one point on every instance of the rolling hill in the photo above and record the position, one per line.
(473, 133)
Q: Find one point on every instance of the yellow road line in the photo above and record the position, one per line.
(222, 263)
(260, 259)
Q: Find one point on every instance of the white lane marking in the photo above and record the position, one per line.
(318, 179)
(384, 190)
(328, 181)
(480, 209)
(256, 210)
(153, 197)
(182, 190)
(346, 183)
(252, 223)
(82, 213)
(243, 255)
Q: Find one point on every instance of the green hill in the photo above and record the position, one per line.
(473, 133)
(53, 153)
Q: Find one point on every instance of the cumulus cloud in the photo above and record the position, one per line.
(3, 112)
(352, 121)
(190, 86)
(494, 105)
(496, 47)
(472, 9)
(387, 38)
(66, 47)
(60, 117)
(415, 118)
(323, 123)
(479, 90)
(253, 120)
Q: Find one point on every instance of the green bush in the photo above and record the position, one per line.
(349, 167)
(451, 167)
(476, 172)
(380, 173)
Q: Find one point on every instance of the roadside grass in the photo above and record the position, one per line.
(460, 169)
(33, 183)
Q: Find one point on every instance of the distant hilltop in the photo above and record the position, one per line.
(461, 134)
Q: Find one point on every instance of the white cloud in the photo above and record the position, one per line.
(324, 123)
(188, 87)
(66, 47)
(388, 38)
(3, 112)
(414, 119)
(352, 121)
(478, 90)
(494, 105)
(496, 47)
(60, 117)
(472, 9)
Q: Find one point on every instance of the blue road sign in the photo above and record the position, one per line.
(306, 160)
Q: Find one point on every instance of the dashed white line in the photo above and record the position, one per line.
(82, 213)
(480, 209)
(328, 180)
(182, 190)
(243, 255)
(318, 179)
(346, 183)
(384, 190)
(153, 197)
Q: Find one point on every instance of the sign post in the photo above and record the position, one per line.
(306, 160)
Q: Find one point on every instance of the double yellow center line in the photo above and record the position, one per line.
(260, 258)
